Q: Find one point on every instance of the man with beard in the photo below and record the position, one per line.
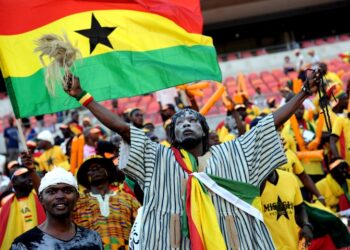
(214, 220)
(58, 193)
(22, 210)
(103, 207)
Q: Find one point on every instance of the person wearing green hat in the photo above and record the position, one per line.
(102, 206)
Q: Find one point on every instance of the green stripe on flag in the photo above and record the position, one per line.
(242, 190)
(116, 75)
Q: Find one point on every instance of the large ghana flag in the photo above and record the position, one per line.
(129, 47)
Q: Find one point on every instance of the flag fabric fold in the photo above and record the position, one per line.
(128, 48)
(199, 221)
(12, 222)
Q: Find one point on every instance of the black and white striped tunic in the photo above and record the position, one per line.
(250, 158)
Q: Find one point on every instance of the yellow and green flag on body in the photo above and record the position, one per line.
(128, 48)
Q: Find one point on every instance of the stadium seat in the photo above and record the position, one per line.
(346, 77)
(293, 75)
(261, 52)
(257, 82)
(229, 81)
(246, 54)
(253, 76)
(134, 99)
(307, 44)
(145, 100)
(278, 73)
(231, 56)
(123, 100)
(153, 107)
(331, 39)
(320, 41)
(344, 37)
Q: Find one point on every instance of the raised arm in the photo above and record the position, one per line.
(310, 86)
(105, 116)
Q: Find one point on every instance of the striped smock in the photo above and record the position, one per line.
(250, 159)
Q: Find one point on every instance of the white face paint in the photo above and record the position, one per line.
(188, 127)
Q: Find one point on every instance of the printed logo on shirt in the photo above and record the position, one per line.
(27, 214)
(279, 208)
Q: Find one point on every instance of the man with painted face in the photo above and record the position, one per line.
(58, 193)
(166, 174)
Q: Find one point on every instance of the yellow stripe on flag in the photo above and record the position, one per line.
(204, 217)
(187, 159)
(136, 31)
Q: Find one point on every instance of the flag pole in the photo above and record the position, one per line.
(21, 134)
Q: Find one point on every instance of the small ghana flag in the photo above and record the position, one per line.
(128, 48)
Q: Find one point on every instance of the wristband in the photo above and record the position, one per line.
(85, 99)
(81, 95)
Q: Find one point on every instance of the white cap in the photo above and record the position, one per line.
(46, 135)
(58, 175)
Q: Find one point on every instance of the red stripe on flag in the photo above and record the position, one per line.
(4, 216)
(180, 160)
(40, 212)
(19, 16)
(196, 240)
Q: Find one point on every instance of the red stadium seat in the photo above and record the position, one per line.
(145, 100)
(152, 107)
(231, 56)
(257, 82)
(307, 44)
(278, 73)
(246, 54)
(331, 39)
(253, 76)
(293, 75)
(229, 81)
(261, 52)
(319, 41)
(344, 37)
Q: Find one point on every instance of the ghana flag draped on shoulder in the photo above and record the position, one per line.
(128, 48)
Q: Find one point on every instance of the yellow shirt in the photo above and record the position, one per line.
(278, 203)
(293, 165)
(342, 125)
(311, 167)
(331, 191)
(53, 157)
(165, 143)
(333, 78)
(225, 135)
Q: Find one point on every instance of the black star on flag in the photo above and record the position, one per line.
(49, 161)
(281, 209)
(97, 34)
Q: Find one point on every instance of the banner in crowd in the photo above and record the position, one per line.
(128, 48)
